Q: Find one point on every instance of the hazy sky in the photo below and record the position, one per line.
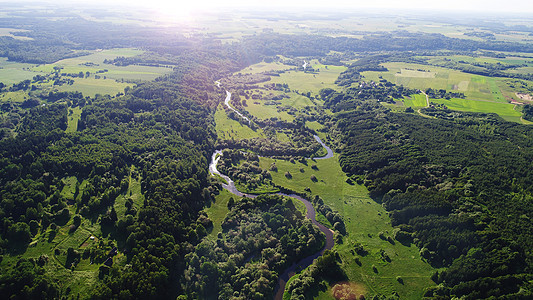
(522, 6)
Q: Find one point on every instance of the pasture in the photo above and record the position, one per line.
(91, 86)
(13, 72)
(311, 82)
(228, 129)
(265, 67)
(262, 111)
(365, 220)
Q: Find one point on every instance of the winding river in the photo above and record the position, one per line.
(228, 98)
(290, 271)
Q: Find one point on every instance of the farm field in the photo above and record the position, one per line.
(422, 77)
(111, 79)
(483, 94)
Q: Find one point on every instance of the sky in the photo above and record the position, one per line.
(519, 6)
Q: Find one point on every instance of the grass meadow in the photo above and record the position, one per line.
(228, 129)
(311, 82)
(73, 119)
(365, 220)
(111, 82)
(483, 94)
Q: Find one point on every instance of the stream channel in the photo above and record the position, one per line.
(230, 186)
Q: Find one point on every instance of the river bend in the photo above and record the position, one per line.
(290, 271)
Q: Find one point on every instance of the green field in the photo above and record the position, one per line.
(79, 280)
(505, 110)
(13, 72)
(73, 119)
(474, 87)
(230, 129)
(18, 96)
(416, 101)
(217, 211)
(314, 125)
(134, 193)
(111, 79)
(311, 82)
(91, 86)
(265, 67)
(522, 70)
(262, 111)
(364, 219)
(483, 94)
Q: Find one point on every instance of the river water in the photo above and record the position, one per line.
(305, 262)
(228, 98)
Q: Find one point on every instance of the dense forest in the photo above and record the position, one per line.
(260, 238)
(458, 186)
(163, 130)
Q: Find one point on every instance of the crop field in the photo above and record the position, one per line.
(95, 62)
(422, 77)
(365, 220)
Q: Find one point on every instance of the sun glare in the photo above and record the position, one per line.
(174, 11)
